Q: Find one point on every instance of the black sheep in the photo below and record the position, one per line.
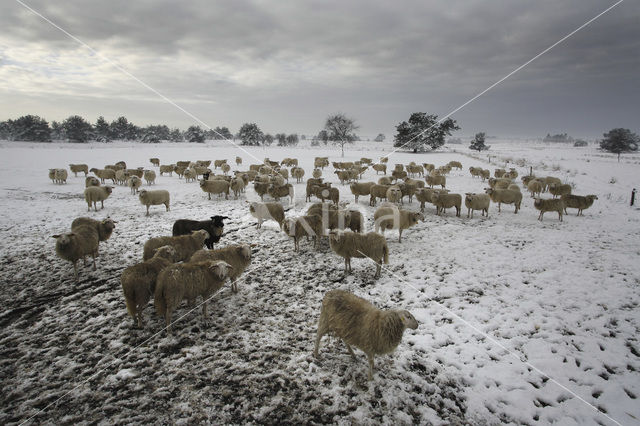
(213, 227)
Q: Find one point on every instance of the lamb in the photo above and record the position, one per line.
(578, 202)
(298, 173)
(351, 244)
(436, 180)
(104, 174)
(215, 187)
(391, 217)
(60, 176)
(187, 281)
(550, 205)
(91, 181)
(167, 168)
(477, 202)
(281, 191)
(267, 211)
(93, 194)
(361, 188)
(139, 281)
(155, 161)
(134, 183)
(238, 256)
(237, 186)
(303, 226)
(150, 176)
(75, 168)
(76, 245)
(359, 323)
(558, 189)
(184, 245)
(104, 227)
(505, 196)
(213, 226)
(380, 168)
(535, 187)
(394, 194)
(154, 198)
(445, 201)
(378, 191)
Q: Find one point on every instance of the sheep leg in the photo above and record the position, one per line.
(350, 350)
(94, 259)
(101, 204)
(346, 265)
(400, 235)
(378, 268)
(370, 357)
(205, 320)
(75, 271)
(499, 207)
(167, 206)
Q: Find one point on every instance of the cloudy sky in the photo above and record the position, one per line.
(287, 65)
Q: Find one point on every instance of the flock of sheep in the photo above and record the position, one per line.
(178, 267)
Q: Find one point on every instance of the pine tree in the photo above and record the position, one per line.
(423, 131)
(619, 140)
(77, 129)
(477, 143)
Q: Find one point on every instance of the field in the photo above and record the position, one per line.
(521, 321)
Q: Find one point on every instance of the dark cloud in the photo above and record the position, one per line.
(286, 65)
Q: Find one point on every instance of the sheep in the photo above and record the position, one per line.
(91, 181)
(238, 161)
(218, 163)
(359, 323)
(179, 171)
(150, 176)
(213, 226)
(60, 176)
(512, 173)
(499, 173)
(320, 162)
(238, 256)
(365, 160)
(93, 194)
(317, 173)
(425, 195)
(477, 202)
(415, 170)
(475, 171)
(356, 221)
(436, 180)
(167, 168)
(303, 226)
(380, 168)
(183, 164)
(52, 175)
(398, 174)
(310, 188)
(298, 173)
(361, 188)
(332, 194)
(121, 165)
(267, 211)
(276, 180)
(485, 174)
(75, 168)
(184, 245)
(187, 281)
(384, 159)
(394, 194)
(237, 186)
(514, 187)
(549, 205)
(190, 175)
(391, 217)
(548, 180)
(529, 178)
(203, 163)
(385, 180)
(225, 168)
(505, 196)
(535, 187)
(332, 217)
(122, 176)
(154, 198)
(456, 164)
(76, 245)
(428, 167)
(408, 189)
(398, 167)
(378, 191)
(416, 183)
(136, 172)
(104, 227)
(343, 176)
(558, 189)
(134, 183)
(284, 173)
(445, 201)
(261, 189)
(104, 174)
(351, 244)
(578, 202)
(281, 191)
(155, 161)
(215, 187)
(499, 183)
(139, 282)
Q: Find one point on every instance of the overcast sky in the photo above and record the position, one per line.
(287, 65)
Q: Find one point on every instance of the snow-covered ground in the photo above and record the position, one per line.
(520, 321)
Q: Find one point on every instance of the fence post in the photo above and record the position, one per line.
(633, 196)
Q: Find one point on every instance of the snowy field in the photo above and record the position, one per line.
(521, 322)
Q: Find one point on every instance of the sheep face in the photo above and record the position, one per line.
(63, 239)
(167, 252)
(109, 224)
(414, 218)
(220, 268)
(245, 251)
(408, 320)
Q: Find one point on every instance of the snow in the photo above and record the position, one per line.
(521, 321)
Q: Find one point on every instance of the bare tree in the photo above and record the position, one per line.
(340, 129)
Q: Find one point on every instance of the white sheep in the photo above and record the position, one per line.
(359, 323)
(390, 216)
(154, 198)
(134, 182)
(394, 194)
(104, 174)
(167, 168)
(61, 176)
(139, 281)
(380, 168)
(361, 188)
(215, 187)
(184, 245)
(187, 281)
(267, 211)
(238, 256)
(578, 202)
(351, 244)
(237, 186)
(433, 180)
(76, 245)
(93, 194)
(91, 181)
(75, 168)
(557, 189)
(122, 177)
(505, 196)
(155, 161)
(550, 205)
(104, 227)
(150, 176)
(303, 226)
(444, 201)
(477, 202)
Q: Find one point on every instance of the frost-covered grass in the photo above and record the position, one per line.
(562, 297)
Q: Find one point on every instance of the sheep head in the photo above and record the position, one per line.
(220, 268)
(245, 251)
(201, 234)
(166, 252)
(63, 239)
